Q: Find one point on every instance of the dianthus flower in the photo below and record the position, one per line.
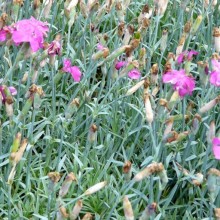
(134, 74)
(181, 82)
(31, 31)
(73, 70)
(215, 74)
(12, 90)
(216, 147)
(120, 64)
(186, 55)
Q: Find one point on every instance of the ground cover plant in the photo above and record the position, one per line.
(109, 109)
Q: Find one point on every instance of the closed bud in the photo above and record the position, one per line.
(163, 41)
(211, 132)
(205, 108)
(149, 212)
(195, 123)
(135, 87)
(148, 109)
(87, 216)
(128, 211)
(76, 210)
(54, 176)
(95, 188)
(16, 142)
(92, 133)
(26, 107)
(196, 24)
(127, 170)
(187, 27)
(66, 184)
(216, 35)
(71, 108)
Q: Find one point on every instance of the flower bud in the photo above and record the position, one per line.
(26, 107)
(163, 41)
(205, 108)
(216, 35)
(127, 170)
(66, 184)
(148, 109)
(95, 188)
(71, 108)
(16, 142)
(211, 132)
(76, 210)
(196, 24)
(135, 88)
(92, 133)
(128, 211)
(87, 216)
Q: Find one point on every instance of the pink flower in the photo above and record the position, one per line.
(73, 70)
(12, 90)
(188, 55)
(100, 46)
(120, 64)
(54, 48)
(215, 74)
(134, 74)
(30, 30)
(216, 147)
(181, 82)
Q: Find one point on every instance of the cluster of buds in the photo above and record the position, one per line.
(17, 151)
(213, 183)
(34, 95)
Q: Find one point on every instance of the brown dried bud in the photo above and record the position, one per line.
(214, 171)
(54, 176)
(145, 9)
(163, 102)
(121, 28)
(127, 167)
(216, 32)
(3, 19)
(130, 29)
(135, 43)
(187, 27)
(167, 67)
(63, 212)
(18, 2)
(154, 69)
(87, 216)
(217, 213)
(182, 39)
(173, 137)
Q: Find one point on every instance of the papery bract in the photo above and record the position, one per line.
(216, 147)
(134, 74)
(30, 30)
(215, 74)
(181, 82)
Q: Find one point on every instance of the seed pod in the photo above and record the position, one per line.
(128, 211)
(66, 184)
(76, 210)
(95, 188)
